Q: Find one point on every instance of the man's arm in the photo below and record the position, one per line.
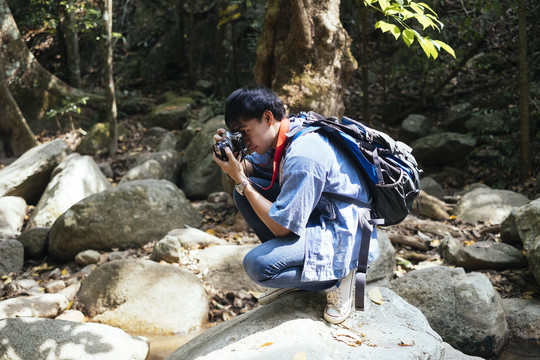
(261, 205)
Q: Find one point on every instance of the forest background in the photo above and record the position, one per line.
(206, 49)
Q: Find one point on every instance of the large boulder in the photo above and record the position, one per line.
(488, 205)
(43, 306)
(128, 215)
(141, 296)
(169, 161)
(11, 256)
(28, 176)
(292, 328)
(12, 213)
(76, 178)
(60, 339)
(523, 317)
(527, 220)
(222, 267)
(201, 176)
(413, 127)
(173, 114)
(482, 255)
(463, 308)
(443, 148)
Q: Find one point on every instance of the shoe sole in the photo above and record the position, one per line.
(274, 296)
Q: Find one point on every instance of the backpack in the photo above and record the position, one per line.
(390, 170)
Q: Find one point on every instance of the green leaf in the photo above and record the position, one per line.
(383, 4)
(444, 46)
(417, 8)
(384, 26)
(424, 5)
(425, 21)
(427, 46)
(408, 37)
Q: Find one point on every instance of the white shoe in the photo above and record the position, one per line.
(273, 294)
(341, 301)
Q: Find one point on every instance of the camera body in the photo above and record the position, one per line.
(233, 141)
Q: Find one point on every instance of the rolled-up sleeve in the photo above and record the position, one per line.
(302, 185)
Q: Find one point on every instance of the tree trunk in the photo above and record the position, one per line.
(108, 80)
(526, 161)
(34, 89)
(69, 26)
(304, 55)
(14, 131)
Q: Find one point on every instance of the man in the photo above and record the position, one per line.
(307, 221)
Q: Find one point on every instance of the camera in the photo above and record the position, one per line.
(233, 141)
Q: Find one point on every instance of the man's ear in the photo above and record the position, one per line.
(268, 117)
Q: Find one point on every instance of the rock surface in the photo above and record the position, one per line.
(99, 221)
(488, 205)
(292, 327)
(144, 297)
(464, 309)
(29, 175)
(60, 339)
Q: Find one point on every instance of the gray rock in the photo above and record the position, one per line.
(432, 187)
(523, 318)
(381, 271)
(192, 238)
(168, 142)
(167, 249)
(292, 327)
(169, 160)
(441, 149)
(28, 176)
(171, 115)
(43, 306)
(87, 257)
(106, 169)
(509, 232)
(141, 296)
(12, 213)
(222, 267)
(60, 339)
(463, 308)
(11, 256)
(413, 127)
(482, 255)
(452, 354)
(74, 179)
(150, 169)
(35, 242)
(201, 176)
(486, 123)
(528, 225)
(456, 116)
(128, 215)
(488, 205)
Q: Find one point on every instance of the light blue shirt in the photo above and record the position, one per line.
(319, 185)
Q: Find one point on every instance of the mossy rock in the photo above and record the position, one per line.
(174, 114)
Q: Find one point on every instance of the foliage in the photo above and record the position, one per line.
(401, 13)
(69, 105)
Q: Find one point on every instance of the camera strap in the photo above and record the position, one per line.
(281, 144)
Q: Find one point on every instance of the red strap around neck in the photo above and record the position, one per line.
(281, 143)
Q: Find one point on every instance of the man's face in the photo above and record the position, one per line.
(258, 135)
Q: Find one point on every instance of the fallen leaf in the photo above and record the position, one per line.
(266, 344)
(406, 343)
(375, 295)
(347, 337)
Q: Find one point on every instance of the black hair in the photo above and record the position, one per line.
(251, 102)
